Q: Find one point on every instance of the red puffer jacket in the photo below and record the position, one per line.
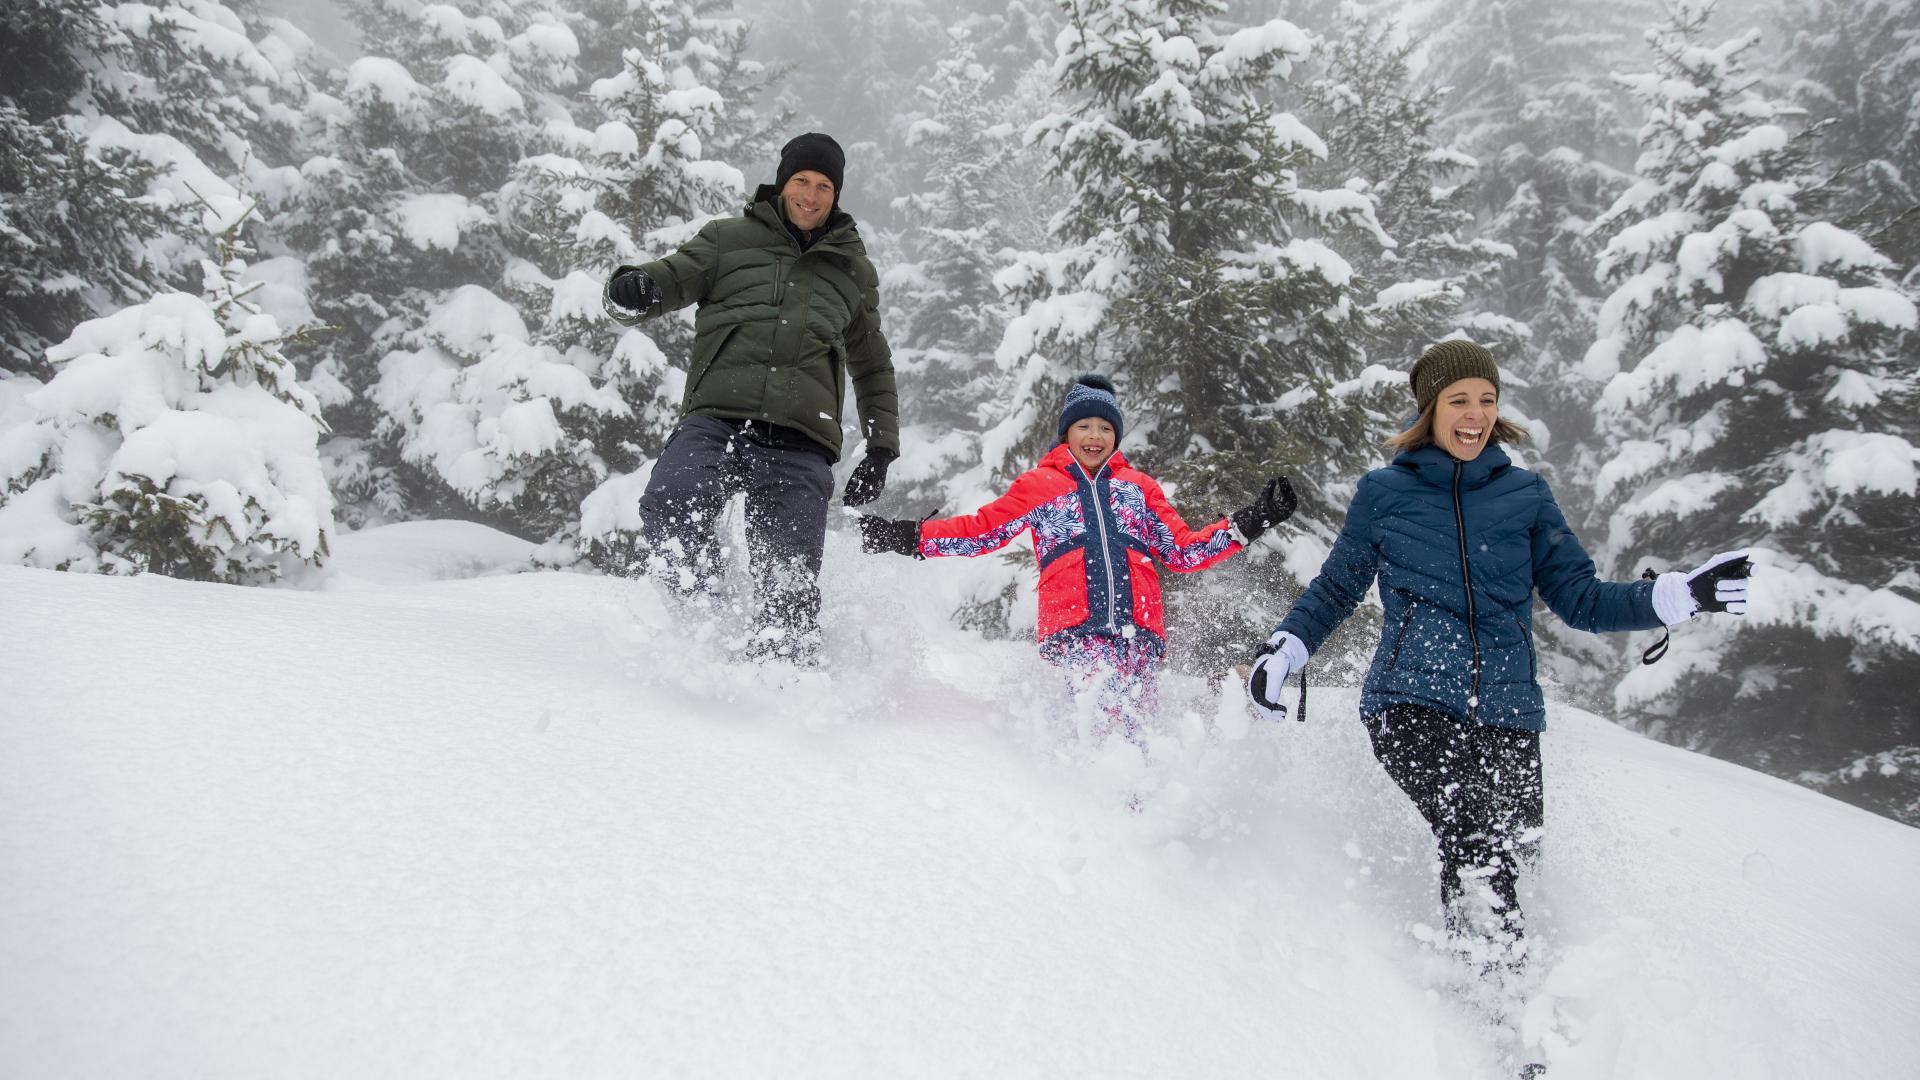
(1096, 538)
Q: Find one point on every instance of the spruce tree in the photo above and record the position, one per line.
(1856, 71)
(395, 212)
(1187, 265)
(1380, 131)
(110, 117)
(944, 312)
(1760, 391)
(173, 438)
(1529, 96)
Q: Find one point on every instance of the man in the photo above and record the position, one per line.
(789, 305)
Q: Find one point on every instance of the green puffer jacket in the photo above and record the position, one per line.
(777, 329)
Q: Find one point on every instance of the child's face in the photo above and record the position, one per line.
(1091, 441)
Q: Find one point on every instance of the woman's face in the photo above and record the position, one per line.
(1091, 441)
(1463, 417)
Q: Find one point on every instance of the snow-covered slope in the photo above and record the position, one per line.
(435, 819)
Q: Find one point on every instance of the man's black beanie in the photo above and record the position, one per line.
(812, 151)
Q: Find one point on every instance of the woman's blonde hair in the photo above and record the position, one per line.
(1420, 432)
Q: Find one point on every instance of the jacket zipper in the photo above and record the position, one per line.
(1106, 557)
(1400, 638)
(1466, 578)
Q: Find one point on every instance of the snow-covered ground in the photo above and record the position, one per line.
(435, 818)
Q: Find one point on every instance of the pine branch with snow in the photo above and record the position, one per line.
(173, 438)
(1760, 391)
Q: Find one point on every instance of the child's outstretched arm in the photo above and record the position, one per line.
(1185, 550)
(991, 527)
(987, 529)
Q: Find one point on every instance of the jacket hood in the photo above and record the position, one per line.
(1435, 466)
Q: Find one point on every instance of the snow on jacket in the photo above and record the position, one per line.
(1460, 548)
(1096, 538)
(778, 328)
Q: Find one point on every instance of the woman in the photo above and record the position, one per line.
(1460, 539)
(1098, 526)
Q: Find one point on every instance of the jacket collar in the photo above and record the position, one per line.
(1435, 466)
(1061, 457)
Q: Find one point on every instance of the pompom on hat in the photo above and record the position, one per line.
(1091, 395)
(1447, 363)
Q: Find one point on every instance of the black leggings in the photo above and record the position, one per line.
(1477, 785)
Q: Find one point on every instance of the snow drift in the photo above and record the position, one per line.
(439, 819)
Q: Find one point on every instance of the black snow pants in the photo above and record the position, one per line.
(787, 479)
(1479, 788)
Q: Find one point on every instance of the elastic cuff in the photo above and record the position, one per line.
(1290, 648)
(1673, 602)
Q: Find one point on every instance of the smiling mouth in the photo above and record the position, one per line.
(1469, 436)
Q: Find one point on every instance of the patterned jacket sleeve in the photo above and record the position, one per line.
(987, 529)
(1182, 549)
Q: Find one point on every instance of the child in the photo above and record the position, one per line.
(1098, 524)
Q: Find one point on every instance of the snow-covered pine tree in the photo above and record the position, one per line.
(1008, 37)
(1529, 97)
(395, 214)
(107, 114)
(944, 314)
(1855, 67)
(1761, 391)
(1182, 270)
(173, 438)
(1379, 130)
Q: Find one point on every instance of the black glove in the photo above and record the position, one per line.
(878, 535)
(1275, 505)
(634, 290)
(869, 478)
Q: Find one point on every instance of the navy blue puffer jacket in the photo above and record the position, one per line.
(1460, 548)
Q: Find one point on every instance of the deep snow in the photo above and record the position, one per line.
(431, 818)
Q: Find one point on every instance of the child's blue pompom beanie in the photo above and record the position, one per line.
(1091, 395)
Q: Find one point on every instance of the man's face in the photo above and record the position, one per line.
(808, 198)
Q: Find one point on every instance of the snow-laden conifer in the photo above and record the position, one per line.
(1854, 65)
(173, 438)
(1379, 130)
(109, 114)
(1760, 391)
(1180, 263)
(1528, 95)
(945, 316)
(396, 214)
(1191, 264)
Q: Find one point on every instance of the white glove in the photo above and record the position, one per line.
(1719, 584)
(1282, 655)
